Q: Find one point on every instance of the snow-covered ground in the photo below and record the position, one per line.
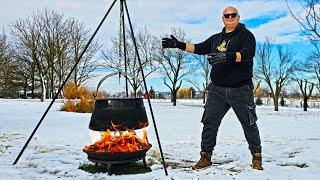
(290, 141)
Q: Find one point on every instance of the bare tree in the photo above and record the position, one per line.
(26, 68)
(53, 40)
(308, 72)
(4, 58)
(6, 67)
(114, 60)
(306, 89)
(23, 70)
(175, 65)
(79, 36)
(309, 22)
(312, 63)
(48, 45)
(12, 76)
(201, 79)
(310, 19)
(27, 39)
(275, 70)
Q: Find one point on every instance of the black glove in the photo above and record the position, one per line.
(221, 57)
(173, 43)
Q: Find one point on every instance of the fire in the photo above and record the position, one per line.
(119, 141)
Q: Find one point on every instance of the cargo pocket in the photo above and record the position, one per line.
(251, 108)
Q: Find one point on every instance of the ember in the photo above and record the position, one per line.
(119, 141)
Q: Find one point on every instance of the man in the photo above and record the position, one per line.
(231, 54)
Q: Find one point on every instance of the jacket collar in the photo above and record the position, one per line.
(239, 28)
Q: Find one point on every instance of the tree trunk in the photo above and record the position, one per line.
(305, 103)
(75, 76)
(52, 83)
(47, 86)
(174, 98)
(276, 103)
(43, 89)
(204, 97)
(25, 88)
(32, 85)
(43, 92)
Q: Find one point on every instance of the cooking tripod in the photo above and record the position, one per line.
(123, 5)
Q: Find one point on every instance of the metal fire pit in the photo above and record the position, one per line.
(110, 159)
(121, 156)
(117, 114)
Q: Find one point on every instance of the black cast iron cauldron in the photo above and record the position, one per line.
(118, 114)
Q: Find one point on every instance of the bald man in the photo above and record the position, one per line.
(230, 53)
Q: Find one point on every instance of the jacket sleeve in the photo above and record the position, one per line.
(204, 47)
(248, 49)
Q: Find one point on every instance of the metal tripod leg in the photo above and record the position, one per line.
(144, 163)
(109, 167)
(145, 85)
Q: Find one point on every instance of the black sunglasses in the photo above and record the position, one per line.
(231, 15)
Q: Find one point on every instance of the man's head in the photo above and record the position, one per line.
(230, 17)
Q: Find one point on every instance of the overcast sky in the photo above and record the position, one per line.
(199, 19)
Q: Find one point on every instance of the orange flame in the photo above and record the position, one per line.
(119, 141)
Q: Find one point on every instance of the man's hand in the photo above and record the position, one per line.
(173, 43)
(217, 58)
(222, 57)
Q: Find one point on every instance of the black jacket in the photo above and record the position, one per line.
(231, 73)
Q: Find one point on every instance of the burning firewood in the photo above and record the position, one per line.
(116, 142)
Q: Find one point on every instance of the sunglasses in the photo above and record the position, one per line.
(231, 15)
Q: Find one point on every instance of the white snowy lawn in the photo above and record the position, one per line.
(290, 141)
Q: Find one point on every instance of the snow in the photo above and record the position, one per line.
(290, 138)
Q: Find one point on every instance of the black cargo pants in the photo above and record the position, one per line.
(219, 101)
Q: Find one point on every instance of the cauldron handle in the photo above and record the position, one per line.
(112, 74)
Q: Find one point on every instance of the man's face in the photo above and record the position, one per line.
(230, 17)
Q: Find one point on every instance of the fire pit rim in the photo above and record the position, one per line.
(118, 152)
(117, 156)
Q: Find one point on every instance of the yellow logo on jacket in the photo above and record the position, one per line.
(223, 46)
